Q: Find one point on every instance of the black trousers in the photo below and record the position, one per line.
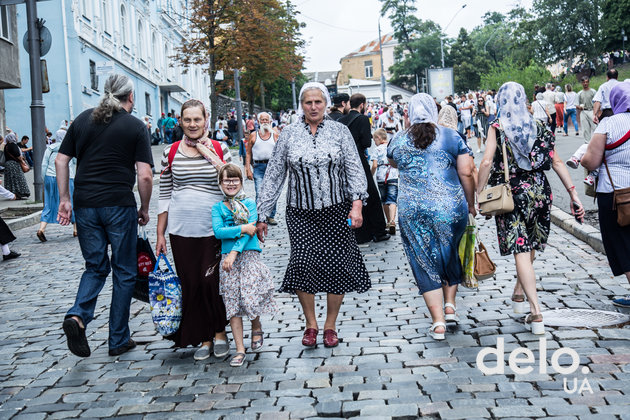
(553, 124)
(373, 217)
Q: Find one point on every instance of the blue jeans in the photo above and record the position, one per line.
(97, 228)
(259, 174)
(169, 135)
(572, 113)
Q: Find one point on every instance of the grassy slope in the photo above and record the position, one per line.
(624, 73)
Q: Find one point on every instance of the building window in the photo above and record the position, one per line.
(93, 76)
(155, 50)
(141, 50)
(369, 70)
(5, 23)
(105, 14)
(147, 103)
(86, 5)
(123, 25)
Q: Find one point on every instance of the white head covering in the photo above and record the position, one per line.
(63, 125)
(448, 117)
(539, 96)
(59, 135)
(517, 123)
(313, 85)
(422, 109)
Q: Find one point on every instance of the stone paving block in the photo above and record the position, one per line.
(353, 408)
(231, 403)
(517, 410)
(429, 409)
(464, 413)
(195, 406)
(329, 408)
(395, 411)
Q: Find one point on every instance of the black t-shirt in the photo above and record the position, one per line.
(232, 125)
(106, 156)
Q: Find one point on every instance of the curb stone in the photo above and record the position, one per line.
(583, 232)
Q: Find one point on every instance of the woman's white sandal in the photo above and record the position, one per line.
(518, 304)
(436, 335)
(536, 323)
(451, 317)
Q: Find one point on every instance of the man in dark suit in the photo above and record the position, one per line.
(374, 223)
(341, 106)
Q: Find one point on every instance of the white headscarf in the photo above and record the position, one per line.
(422, 109)
(517, 123)
(59, 135)
(313, 85)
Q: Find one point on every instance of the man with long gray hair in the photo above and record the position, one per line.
(259, 150)
(111, 146)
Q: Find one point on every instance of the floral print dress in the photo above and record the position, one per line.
(527, 227)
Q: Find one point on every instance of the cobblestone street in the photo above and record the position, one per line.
(386, 365)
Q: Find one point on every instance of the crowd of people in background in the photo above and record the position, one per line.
(358, 171)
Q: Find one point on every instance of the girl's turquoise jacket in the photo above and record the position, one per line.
(230, 233)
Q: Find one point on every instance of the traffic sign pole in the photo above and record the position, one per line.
(38, 119)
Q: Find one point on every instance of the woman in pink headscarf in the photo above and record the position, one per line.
(609, 151)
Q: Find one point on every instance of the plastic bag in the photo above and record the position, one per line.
(165, 295)
(467, 253)
(146, 264)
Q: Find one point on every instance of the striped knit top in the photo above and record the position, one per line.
(188, 191)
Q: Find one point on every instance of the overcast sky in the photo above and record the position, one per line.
(335, 28)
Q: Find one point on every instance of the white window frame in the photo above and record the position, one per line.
(368, 69)
(142, 53)
(5, 23)
(124, 32)
(106, 16)
(87, 9)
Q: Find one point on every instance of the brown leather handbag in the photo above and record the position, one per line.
(24, 165)
(484, 267)
(621, 201)
(498, 199)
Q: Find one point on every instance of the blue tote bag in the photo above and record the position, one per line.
(165, 296)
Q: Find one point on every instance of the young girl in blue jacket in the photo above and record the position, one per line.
(245, 281)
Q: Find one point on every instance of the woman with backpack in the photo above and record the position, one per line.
(188, 189)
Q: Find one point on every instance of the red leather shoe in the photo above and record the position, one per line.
(330, 338)
(310, 337)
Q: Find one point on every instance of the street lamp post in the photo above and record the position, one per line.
(623, 45)
(449, 24)
(380, 48)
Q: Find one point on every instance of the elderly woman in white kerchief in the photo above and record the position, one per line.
(326, 191)
(435, 195)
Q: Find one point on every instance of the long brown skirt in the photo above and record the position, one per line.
(203, 312)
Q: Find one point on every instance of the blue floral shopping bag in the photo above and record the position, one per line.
(165, 296)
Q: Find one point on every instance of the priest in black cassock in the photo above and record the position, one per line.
(374, 223)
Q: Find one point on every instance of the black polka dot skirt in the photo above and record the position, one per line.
(324, 253)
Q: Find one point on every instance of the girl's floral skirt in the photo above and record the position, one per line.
(247, 290)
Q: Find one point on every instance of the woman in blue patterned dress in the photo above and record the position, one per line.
(436, 193)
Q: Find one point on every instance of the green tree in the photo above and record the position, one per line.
(615, 17)
(508, 71)
(468, 65)
(419, 42)
(568, 28)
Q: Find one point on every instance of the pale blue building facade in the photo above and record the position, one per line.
(137, 37)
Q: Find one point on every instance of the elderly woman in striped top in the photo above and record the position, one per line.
(327, 189)
(188, 190)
